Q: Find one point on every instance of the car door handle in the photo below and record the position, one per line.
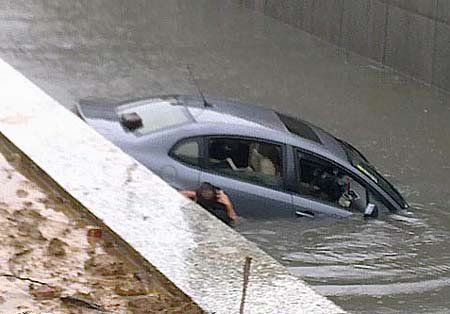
(304, 213)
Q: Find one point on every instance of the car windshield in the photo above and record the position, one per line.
(360, 162)
(155, 114)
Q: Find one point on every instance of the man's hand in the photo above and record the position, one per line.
(189, 194)
(223, 199)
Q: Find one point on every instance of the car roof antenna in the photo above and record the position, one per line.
(205, 103)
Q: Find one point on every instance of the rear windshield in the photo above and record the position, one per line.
(298, 127)
(360, 162)
(155, 114)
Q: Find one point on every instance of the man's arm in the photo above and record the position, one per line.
(189, 194)
(223, 199)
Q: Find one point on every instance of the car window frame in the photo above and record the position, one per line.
(284, 151)
(355, 176)
(201, 142)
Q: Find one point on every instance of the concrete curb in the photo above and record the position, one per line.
(195, 251)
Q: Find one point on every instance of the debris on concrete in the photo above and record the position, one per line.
(41, 292)
(80, 301)
(56, 247)
(53, 259)
(102, 265)
(130, 288)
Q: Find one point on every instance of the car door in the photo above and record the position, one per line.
(250, 171)
(324, 188)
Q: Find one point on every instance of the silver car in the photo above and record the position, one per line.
(271, 165)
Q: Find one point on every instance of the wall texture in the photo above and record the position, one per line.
(412, 36)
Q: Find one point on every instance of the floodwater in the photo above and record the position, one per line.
(400, 264)
(117, 49)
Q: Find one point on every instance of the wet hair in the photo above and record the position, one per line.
(204, 189)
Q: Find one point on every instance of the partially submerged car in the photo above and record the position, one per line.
(271, 165)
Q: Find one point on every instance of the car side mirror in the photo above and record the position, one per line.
(371, 211)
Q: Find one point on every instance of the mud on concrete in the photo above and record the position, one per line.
(49, 264)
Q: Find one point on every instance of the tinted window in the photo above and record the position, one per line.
(187, 151)
(155, 114)
(323, 181)
(299, 128)
(247, 160)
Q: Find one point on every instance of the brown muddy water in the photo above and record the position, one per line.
(398, 264)
(119, 49)
(48, 264)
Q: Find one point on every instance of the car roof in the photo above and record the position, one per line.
(252, 120)
(233, 113)
(219, 116)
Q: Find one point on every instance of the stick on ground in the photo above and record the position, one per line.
(248, 261)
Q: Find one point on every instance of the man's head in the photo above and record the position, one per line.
(207, 191)
(206, 194)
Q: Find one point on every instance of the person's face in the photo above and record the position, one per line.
(208, 194)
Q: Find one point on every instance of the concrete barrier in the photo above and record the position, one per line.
(192, 249)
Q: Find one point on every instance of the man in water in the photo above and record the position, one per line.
(215, 201)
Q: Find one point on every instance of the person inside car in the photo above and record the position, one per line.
(214, 200)
(259, 162)
(329, 183)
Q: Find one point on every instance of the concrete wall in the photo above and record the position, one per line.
(412, 36)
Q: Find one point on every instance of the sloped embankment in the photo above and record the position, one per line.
(48, 263)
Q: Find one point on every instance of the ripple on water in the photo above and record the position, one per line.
(384, 289)
(399, 253)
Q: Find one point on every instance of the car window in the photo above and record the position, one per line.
(152, 115)
(321, 180)
(248, 160)
(187, 151)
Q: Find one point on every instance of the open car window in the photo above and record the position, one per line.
(323, 181)
(247, 160)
